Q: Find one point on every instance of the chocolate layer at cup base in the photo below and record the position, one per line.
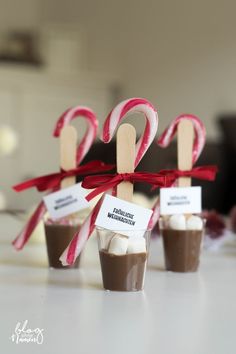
(57, 239)
(182, 249)
(123, 272)
(123, 260)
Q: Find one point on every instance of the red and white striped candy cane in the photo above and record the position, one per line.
(132, 105)
(25, 234)
(199, 129)
(83, 148)
(90, 134)
(165, 139)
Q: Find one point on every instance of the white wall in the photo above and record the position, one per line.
(179, 54)
(15, 14)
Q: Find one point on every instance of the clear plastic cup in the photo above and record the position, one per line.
(181, 248)
(123, 259)
(58, 235)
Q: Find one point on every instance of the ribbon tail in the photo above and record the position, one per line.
(41, 183)
(211, 173)
(101, 189)
(102, 167)
(94, 193)
(28, 229)
(95, 167)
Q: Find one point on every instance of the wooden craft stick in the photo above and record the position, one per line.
(68, 144)
(125, 157)
(185, 136)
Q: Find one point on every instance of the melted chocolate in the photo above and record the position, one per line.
(182, 249)
(57, 239)
(123, 273)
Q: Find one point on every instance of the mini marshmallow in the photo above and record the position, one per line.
(118, 245)
(177, 222)
(137, 245)
(194, 223)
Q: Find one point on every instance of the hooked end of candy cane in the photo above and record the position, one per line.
(18, 245)
(161, 142)
(105, 138)
(56, 132)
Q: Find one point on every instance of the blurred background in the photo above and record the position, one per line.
(181, 55)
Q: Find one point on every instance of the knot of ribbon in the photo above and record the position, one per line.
(102, 183)
(165, 178)
(53, 180)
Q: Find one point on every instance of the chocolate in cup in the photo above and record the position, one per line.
(58, 236)
(181, 249)
(123, 272)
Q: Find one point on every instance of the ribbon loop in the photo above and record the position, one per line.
(207, 173)
(53, 180)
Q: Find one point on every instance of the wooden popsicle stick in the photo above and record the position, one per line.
(185, 136)
(68, 145)
(125, 157)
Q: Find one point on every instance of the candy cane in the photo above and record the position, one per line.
(199, 129)
(25, 234)
(133, 105)
(166, 138)
(83, 148)
(90, 134)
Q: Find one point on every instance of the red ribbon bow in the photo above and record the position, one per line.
(103, 183)
(53, 180)
(165, 178)
(207, 173)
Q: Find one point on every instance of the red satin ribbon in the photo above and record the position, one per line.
(165, 178)
(207, 173)
(53, 180)
(103, 183)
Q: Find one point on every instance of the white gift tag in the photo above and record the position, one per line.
(187, 200)
(66, 201)
(123, 217)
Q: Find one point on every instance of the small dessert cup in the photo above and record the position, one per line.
(181, 246)
(58, 235)
(123, 259)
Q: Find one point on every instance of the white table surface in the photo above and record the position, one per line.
(175, 314)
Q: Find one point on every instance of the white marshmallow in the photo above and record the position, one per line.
(118, 245)
(137, 245)
(105, 238)
(177, 222)
(194, 223)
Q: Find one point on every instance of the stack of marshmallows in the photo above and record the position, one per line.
(118, 245)
(184, 222)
